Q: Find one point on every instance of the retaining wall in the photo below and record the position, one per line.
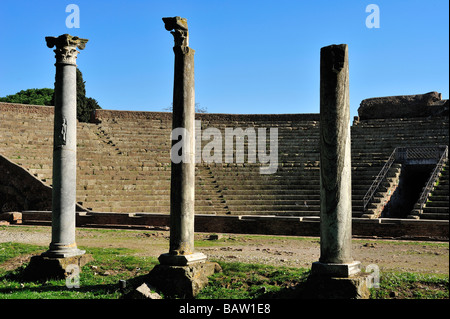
(263, 225)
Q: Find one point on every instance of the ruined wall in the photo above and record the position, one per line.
(19, 190)
(403, 106)
(100, 115)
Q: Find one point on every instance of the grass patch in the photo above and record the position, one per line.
(405, 285)
(12, 250)
(251, 281)
(99, 278)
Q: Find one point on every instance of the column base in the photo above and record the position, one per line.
(57, 250)
(43, 267)
(63, 253)
(181, 260)
(182, 281)
(325, 287)
(336, 270)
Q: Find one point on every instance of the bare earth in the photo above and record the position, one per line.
(290, 251)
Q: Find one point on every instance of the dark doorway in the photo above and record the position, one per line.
(413, 179)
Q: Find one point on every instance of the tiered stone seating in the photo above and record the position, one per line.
(140, 143)
(124, 160)
(374, 140)
(293, 189)
(26, 138)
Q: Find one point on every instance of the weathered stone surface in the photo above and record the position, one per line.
(20, 190)
(11, 217)
(324, 287)
(335, 156)
(144, 291)
(42, 268)
(335, 186)
(403, 106)
(181, 260)
(182, 281)
(182, 187)
(336, 270)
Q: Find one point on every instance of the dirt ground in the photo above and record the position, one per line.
(290, 251)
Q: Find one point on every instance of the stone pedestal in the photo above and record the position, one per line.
(181, 260)
(182, 281)
(64, 147)
(326, 287)
(43, 268)
(336, 270)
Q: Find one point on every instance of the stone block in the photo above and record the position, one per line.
(43, 268)
(336, 270)
(12, 217)
(181, 260)
(144, 291)
(325, 287)
(182, 281)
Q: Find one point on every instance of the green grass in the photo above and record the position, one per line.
(99, 279)
(412, 286)
(250, 281)
(12, 250)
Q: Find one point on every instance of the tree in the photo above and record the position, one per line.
(85, 105)
(45, 96)
(31, 96)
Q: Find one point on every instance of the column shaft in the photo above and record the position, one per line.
(335, 166)
(182, 190)
(64, 158)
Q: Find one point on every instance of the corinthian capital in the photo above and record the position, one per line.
(66, 47)
(180, 33)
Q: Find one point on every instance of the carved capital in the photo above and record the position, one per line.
(66, 47)
(180, 30)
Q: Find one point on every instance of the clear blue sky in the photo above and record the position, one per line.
(252, 56)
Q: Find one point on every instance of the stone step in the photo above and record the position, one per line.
(263, 208)
(304, 204)
(436, 203)
(435, 216)
(276, 213)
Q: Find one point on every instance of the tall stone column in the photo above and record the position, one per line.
(64, 146)
(63, 257)
(335, 166)
(182, 272)
(182, 188)
(336, 275)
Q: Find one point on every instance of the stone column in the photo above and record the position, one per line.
(335, 166)
(336, 275)
(182, 187)
(64, 147)
(182, 272)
